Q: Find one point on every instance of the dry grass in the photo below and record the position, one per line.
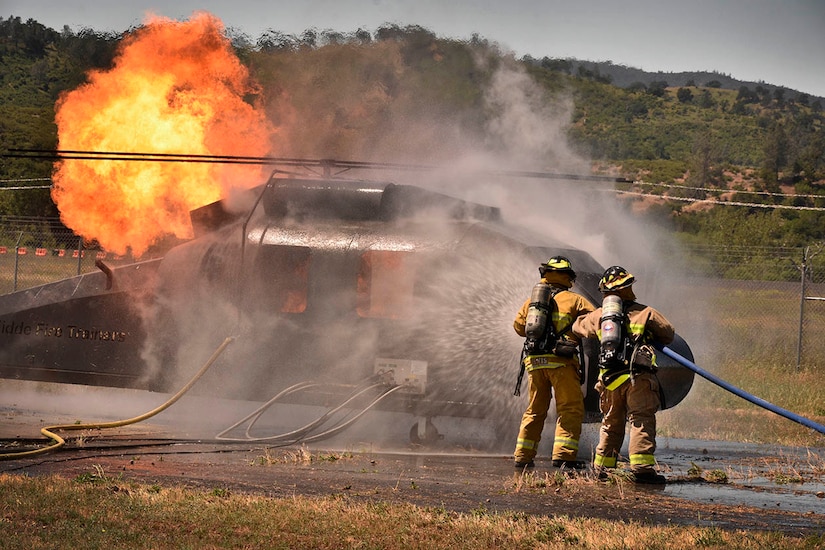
(101, 512)
(712, 413)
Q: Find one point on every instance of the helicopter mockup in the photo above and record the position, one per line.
(339, 293)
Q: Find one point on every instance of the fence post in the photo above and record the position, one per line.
(17, 259)
(804, 270)
(79, 254)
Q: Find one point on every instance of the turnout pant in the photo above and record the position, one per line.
(542, 382)
(636, 403)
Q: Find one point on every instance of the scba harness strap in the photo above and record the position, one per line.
(541, 351)
(551, 342)
(634, 357)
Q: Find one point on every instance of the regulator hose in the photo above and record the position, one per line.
(739, 392)
(59, 441)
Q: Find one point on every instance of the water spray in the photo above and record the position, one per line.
(741, 393)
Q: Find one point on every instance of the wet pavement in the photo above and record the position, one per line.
(727, 473)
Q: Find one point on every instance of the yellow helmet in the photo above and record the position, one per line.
(558, 263)
(615, 278)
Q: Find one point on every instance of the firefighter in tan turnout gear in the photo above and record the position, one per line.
(627, 386)
(550, 358)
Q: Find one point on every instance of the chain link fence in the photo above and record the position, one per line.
(766, 303)
(36, 251)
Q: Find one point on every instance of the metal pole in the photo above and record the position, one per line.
(804, 270)
(79, 254)
(17, 259)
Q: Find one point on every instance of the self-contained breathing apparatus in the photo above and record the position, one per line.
(540, 332)
(613, 338)
(539, 328)
(619, 351)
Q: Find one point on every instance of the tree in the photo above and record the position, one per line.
(811, 159)
(273, 41)
(330, 37)
(746, 95)
(309, 39)
(703, 169)
(637, 87)
(657, 88)
(389, 32)
(558, 65)
(363, 36)
(635, 109)
(706, 100)
(775, 151)
(684, 95)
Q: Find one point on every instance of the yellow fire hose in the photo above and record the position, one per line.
(59, 442)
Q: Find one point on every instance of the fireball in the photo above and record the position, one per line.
(174, 88)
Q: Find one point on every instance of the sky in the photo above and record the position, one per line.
(779, 42)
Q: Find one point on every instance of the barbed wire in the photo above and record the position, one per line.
(347, 165)
(4, 187)
(25, 187)
(723, 203)
(715, 190)
(20, 180)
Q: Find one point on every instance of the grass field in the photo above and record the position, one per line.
(711, 412)
(97, 511)
(751, 338)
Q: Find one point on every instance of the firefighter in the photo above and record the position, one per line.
(550, 358)
(627, 384)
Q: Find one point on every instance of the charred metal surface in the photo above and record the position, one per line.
(82, 330)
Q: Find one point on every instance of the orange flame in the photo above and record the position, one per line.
(176, 87)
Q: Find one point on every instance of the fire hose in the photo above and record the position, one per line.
(741, 393)
(303, 434)
(49, 431)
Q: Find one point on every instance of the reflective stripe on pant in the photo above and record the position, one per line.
(569, 412)
(637, 404)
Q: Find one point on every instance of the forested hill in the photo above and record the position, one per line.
(700, 139)
(633, 78)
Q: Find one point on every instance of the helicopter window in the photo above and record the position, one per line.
(287, 267)
(385, 284)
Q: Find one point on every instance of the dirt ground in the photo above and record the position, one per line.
(456, 482)
(726, 485)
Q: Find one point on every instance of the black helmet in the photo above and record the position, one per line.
(615, 278)
(558, 263)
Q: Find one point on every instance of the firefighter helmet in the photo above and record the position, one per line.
(615, 278)
(560, 264)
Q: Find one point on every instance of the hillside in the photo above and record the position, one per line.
(402, 95)
(631, 77)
